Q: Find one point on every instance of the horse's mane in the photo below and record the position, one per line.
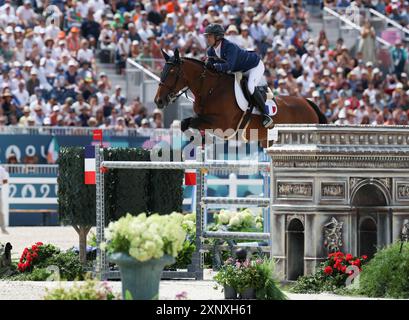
(193, 60)
(202, 64)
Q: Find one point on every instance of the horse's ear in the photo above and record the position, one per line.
(165, 55)
(176, 55)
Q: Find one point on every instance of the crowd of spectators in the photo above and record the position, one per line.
(49, 75)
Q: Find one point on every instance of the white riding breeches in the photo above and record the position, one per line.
(255, 76)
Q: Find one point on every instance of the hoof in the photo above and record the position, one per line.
(184, 125)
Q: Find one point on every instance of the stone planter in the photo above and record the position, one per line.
(248, 293)
(140, 279)
(229, 292)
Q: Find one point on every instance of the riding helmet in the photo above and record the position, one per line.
(215, 29)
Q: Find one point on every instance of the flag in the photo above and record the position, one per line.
(270, 108)
(190, 177)
(97, 134)
(52, 154)
(90, 176)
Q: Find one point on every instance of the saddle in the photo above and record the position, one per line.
(243, 96)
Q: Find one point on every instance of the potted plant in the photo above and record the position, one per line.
(251, 278)
(247, 278)
(142, 246)
(226, 277)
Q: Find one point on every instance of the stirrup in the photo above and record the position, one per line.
(267, 121)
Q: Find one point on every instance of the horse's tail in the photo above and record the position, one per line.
(322, 119)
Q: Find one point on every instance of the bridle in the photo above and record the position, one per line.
(172, 97)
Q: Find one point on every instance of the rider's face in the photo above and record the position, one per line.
(211, 40)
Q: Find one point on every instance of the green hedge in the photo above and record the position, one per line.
(76, 201)
(387, 274)
(126, 190)
(132, 191)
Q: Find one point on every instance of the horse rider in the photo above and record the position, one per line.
(225, 56)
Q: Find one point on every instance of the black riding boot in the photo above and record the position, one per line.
(259, 102)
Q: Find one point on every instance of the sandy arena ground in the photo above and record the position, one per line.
(66, 237)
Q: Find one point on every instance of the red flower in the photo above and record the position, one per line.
(39, 243)
(343, 269)
(348, 257)
(357, 262)
(364, 257)
(328, 270)
(34, 247)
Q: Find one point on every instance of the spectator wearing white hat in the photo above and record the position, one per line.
(33, 82)
(342, 117)
(21, 93)
(124, 45)
(225, 19)
(305, 80)
(60, 50)
(232, 34)
(280, 39)
(145, 32)
(246, 41)
(52, 30)
(26, 14)
(7, 8)
(85, 53)
(39, 115)
(23, 121)
(116, 96)
(282, 88)
(9, 36)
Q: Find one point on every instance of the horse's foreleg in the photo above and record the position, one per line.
(185, 124)
(197, 123)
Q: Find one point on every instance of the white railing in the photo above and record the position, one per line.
(389, 21)
(341, 19)
(43, 169)
(82, 131)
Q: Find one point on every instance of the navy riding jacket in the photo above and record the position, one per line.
(234, 58)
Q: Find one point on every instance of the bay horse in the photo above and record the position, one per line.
(215, 104)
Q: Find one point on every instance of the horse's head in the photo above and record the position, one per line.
(171, 80)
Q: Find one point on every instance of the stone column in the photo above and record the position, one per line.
(277, 230)
(310, 247)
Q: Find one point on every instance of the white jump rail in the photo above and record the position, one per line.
(202, 167)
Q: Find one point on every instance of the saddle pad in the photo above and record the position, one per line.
(271, 106)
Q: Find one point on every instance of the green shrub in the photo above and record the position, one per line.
(48, 259)
(331, 275)
(268, 288)
(387, 274)
(90, 290)
(68, 263)
(38, 274)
